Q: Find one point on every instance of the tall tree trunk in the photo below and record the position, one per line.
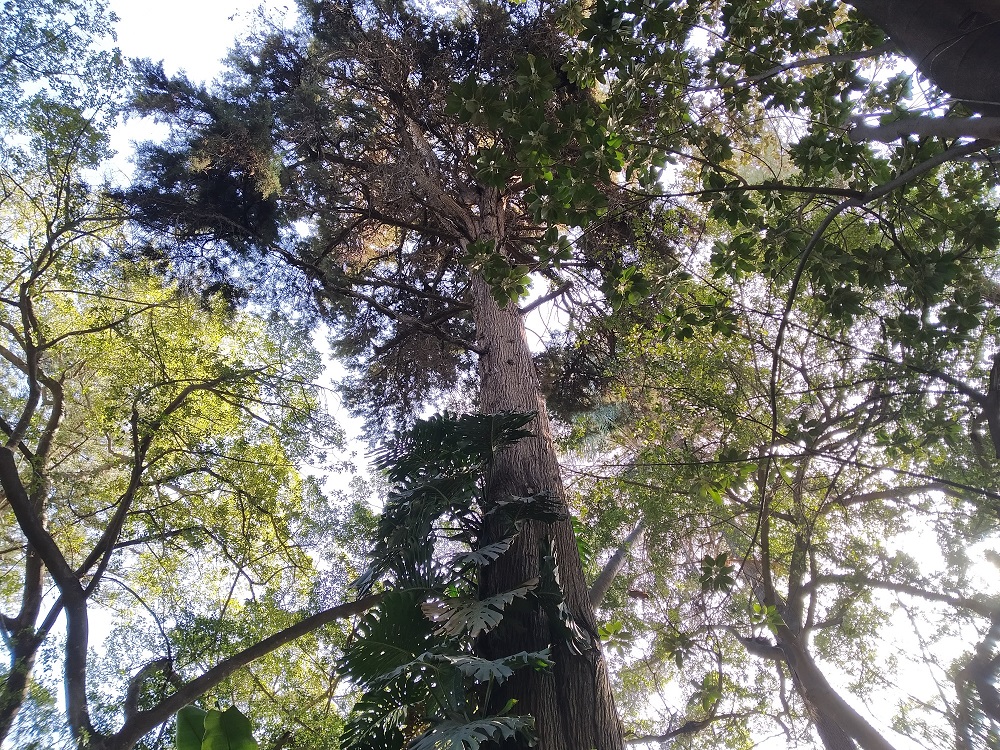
(955, 43)
(602, 585)
(830, 732)
(573, 705)
(838, 724)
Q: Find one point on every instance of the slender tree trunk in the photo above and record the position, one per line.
(839, 725)
(573, 705)
(23, 650)
(23, 643)
(613, 567)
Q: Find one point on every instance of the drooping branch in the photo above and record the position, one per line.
(409, 322)
(989, 401)
(771, 187)
(895, 493)
(545, 298)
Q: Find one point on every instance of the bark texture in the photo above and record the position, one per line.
(956, 44)
(23, 640)
(837, 723)
(14, 691)
(573, 705)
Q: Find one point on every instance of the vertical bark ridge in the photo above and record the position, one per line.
(573, 706)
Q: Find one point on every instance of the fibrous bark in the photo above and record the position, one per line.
(573, 705)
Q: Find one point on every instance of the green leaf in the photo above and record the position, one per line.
(454, 735)
(474, 616)
(388, 637)
(550, 596)
(484, 555)
(716, 573)
(190, 728)
(498, 670)
(478, 668)
(375, 720)
(228, 730)
(446, 441)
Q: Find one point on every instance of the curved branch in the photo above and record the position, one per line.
(979, 606)
(143, 722)
(688, 727)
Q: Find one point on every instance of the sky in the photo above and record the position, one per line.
(188, 35)
(194, 37)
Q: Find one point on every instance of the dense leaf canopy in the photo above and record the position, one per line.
(771, 246)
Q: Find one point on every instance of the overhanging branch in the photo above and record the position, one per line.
(987, 128)
(143, 722)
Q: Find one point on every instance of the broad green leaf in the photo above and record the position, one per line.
(473, 616)
(190, 728)
(484, 555)
(388, 637)
(228, 730)
(453, 735)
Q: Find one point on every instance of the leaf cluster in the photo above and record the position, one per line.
(415, 656)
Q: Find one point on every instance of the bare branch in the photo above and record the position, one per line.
(896, 493)
(557, 292)
(977, 605)
(688, 727)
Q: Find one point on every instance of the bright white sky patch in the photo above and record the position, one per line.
(189, 35)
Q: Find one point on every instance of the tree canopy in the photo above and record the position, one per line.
(746, 488)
